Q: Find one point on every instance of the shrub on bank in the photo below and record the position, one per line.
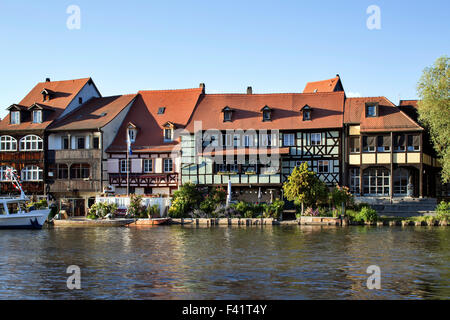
(443, 211)
(185, 200)
(101, 210)
(367, 214)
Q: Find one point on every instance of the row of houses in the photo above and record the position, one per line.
(68, 142)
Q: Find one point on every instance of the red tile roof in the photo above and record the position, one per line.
(178, 104)
(247, 151)
(94, 114)
(327, 111)
(330, 85)
(390, 118)
(63, 94)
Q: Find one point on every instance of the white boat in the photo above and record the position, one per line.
(13, 211)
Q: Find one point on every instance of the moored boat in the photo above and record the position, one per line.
(13, 211)
(152, 222)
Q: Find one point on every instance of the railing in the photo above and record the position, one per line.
(77, 154)
(144, 180)
(80, 185)
(124, 202)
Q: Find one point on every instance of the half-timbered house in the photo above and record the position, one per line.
(256, 140)
(153, 124)
(23, 139)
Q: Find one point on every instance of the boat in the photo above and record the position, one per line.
(13, 211)
(153, 222)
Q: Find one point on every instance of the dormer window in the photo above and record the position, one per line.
(161, 110)
(371, 110)
(37, 116)
(15, 117)
(267, 113)
(80, 100)
(46, 94)
(227, 114)
(132, 133)
(306, 113)
(168, 131)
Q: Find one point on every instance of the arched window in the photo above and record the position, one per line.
(80, 171)
(32, 173)
(31, 143)
(8, 143)
(2, 173)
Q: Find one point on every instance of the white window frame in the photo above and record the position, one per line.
(35, 143)
(8, 141)
(132, 133)
(165, 135)
(3, 171)
(236, 140)
(166, 167)
(15, 117)
(248, 141)
(32, 173)
(289, 139)
(147, 168)
(37, 116)
(124, 165)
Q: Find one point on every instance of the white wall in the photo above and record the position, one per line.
(54, 139)
(86, 93)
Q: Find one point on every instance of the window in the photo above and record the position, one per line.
(15, 117)
(376, 181)
(132, 133)
(96, 142)
(80, 100)
(323, 166)
(37, 116)
(248, 141)
(81, 142)
(354, 145)
(31, 143)
(148, 165)
(401, 180)
(32, 173)
(3, 170)
(413, 143)
(383, 143)
(315, 139)
(63, 171)
(266, 115)
(8, 143)
(266, 140)
(368, 144)
(399, 142)
(227, 116)
(168, 165)
(124, 166)
(230, 167)
(80, 171)
(65, 143)
(289, 139)
(354, 180)
(227, 140)
(371, 110)
(168, 135)
(306, 115)
(161, 110)
(236, 140)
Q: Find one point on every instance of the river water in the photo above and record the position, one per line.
(175, 262)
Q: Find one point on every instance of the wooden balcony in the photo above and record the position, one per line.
(76, 155)
(61, 185)
(22, 156)
(144, 180)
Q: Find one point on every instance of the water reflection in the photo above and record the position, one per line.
(291, 262)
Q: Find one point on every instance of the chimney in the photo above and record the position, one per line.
(249, 90)
(47, 79)
(202, 86)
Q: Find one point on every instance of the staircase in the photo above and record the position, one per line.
(401, 207)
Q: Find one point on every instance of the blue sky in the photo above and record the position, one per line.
(274, 46)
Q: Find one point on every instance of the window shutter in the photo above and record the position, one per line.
(416, 141)
(113, 165)
(371, 141)
(136, 165)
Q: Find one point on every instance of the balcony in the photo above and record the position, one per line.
(76, 185)
(144, 180)
(78, 154)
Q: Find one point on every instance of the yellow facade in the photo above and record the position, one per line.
(399, 158)
(413, 157)
(355, 159)
(368, 158)
(354, 130)
(383, 158)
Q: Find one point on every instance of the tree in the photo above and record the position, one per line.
(434, 109)
(304, 187)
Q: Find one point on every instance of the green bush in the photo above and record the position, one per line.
(367, 214)
(249, 210)
(273, 210)
(100, 210)
(153, 211)
(213, 200)
(185, 200)
(443, 211)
